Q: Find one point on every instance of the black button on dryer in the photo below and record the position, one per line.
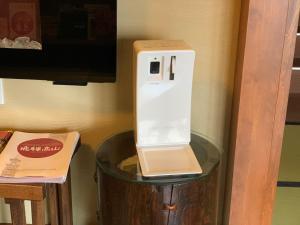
(154, 67)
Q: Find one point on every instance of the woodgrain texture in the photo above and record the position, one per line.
(59, 196)
(265, 54)
(22, 191)
(17, 211)
(191, 203)
(280, 109)
(124, 203)
(160, 45)
(295, 81)
(38, 212)
(196, 202)
(101, 110)
(53, 203)
(15, 194)
(65, 202)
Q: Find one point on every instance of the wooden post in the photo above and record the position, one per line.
(65, 202)
(17, 211)
(265, 54)
(38, 212)
(53, 203)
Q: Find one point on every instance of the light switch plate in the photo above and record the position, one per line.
(1, 92)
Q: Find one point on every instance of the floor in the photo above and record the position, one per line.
(287, 206)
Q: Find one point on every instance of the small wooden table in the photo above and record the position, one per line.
(59, 196)
(127, 198)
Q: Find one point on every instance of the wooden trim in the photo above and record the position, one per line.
(265, 55)
(23, 191)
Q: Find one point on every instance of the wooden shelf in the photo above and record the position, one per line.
(297, 47)
(293, 110)
(295, 81)
(296, 64)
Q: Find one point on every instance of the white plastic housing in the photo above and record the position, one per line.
(162, 100)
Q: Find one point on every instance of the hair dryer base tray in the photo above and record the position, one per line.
(168, 160)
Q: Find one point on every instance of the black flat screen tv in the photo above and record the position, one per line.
(78, 44)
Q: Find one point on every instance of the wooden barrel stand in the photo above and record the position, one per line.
(124, 203)
(126, 198)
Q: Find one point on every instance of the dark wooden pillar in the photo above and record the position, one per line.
(265, 52)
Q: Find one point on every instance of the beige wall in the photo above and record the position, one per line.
(100, 110)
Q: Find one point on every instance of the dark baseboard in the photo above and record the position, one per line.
(295, 184)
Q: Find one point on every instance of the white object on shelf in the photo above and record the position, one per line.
(1, 92)
(163, 89)
(163, 74)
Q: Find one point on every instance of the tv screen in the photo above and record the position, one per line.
(78, 39)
